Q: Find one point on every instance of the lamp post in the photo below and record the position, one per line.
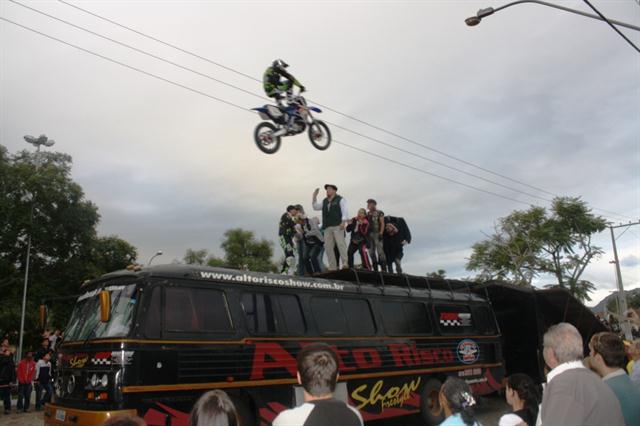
(38, 142)
(158, 253)
(472, 21)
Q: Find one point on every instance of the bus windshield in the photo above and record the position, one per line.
(85, 320)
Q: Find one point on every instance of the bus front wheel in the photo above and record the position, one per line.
(430, 408)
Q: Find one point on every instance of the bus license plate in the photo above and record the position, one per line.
(60, 415)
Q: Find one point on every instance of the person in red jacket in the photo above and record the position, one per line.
(26, 374)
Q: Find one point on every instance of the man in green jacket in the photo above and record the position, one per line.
(607, 358)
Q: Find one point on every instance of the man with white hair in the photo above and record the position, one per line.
(574, 395)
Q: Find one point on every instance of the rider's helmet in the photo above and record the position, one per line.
(280, 64)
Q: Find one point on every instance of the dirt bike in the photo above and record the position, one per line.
(292, 119)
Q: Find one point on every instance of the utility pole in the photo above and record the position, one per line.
(622, 299)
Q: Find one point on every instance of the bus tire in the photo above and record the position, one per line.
(245, 409)
(430, 409)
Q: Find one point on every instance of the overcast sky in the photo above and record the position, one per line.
(544, 97)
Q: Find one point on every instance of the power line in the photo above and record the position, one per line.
(248, 110)
(604, 18)
(373, 126)
(263, 98)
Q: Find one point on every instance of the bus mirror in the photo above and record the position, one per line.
(42, 311)
(105, 305)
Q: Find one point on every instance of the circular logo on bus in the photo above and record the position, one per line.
(468, 351)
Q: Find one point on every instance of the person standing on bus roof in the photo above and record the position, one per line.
(359, 228)
(286, 232)
(374, 238)
(334, 222)
(317, 372)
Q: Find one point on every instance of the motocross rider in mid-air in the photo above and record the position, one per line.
(277, 81)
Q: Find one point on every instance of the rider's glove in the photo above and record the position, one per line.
(302, 89)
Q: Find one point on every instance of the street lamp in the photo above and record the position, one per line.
(472, 21)
(158, 253)
(38, 142)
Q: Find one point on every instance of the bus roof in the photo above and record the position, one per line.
(342, 281)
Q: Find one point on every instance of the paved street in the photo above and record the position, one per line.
(489, 411)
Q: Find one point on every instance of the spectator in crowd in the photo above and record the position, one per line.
(574, 395)
(457, 401)
(26, 375)
(523, 396)
(359, 228)
(317, 366)
(313, 243)
(298, 238)
(214, 408)
(286, 232)
(54, 339)
(608, 359)
(334, 222)
(44, 348)
(43, 381)
(7, 375)
(124, 420)
(374, 238)
(634, 352)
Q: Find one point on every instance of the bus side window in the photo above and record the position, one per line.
(260, 313)
(292, 314)
(152, 325)
(405, 318)
(329, 316)
(196, 310)
(360, 318)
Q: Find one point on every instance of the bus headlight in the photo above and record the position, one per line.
(104, 381)
(94, 380)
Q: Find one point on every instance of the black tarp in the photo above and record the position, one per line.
(524, 314)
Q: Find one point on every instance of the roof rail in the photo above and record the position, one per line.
(468, 290)
(450, 288)
(381, 282)
(426, 279)
(355, 272)
(406, 277)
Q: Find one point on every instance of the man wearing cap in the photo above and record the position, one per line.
(334, 221)
(376, 231)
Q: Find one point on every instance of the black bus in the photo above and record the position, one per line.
(150, 341)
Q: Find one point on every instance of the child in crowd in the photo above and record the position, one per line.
(457, 402)
(43, 381)
(523, 396)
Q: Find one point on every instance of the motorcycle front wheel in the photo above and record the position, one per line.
(264, 139)
(319, 135)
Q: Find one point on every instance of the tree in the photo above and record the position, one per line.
(241, 251)
(244, 251)
(195, 257)
(39, 201)
(440, 273)
(533, 242)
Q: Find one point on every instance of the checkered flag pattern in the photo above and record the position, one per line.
(101, 358)
(451, 323)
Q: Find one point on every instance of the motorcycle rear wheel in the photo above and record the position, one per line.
(264, 139)
(319, 135)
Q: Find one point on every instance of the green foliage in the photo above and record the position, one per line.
(440, 273)
(242, 251)
(529, 243)
(40, 202)
(633, 302)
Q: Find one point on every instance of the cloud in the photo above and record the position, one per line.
(630, 261)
